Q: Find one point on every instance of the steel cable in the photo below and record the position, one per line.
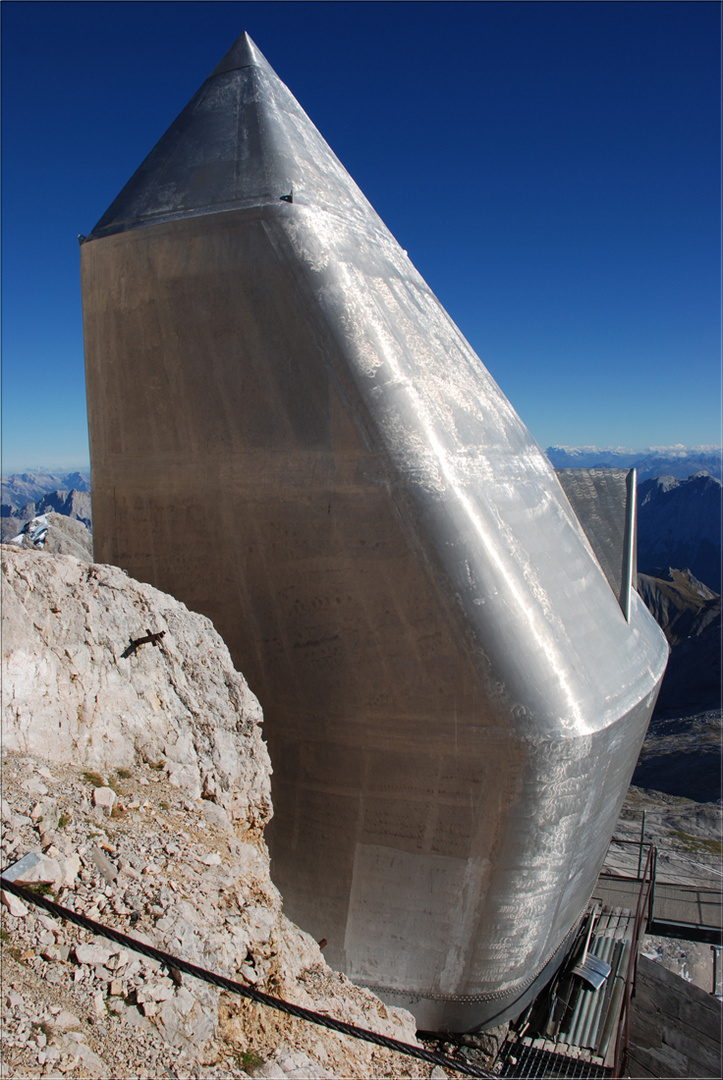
(170, 961)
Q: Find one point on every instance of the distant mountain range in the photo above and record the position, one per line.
(681, 755)
(689, 615)
(680, 503)
(677, 461)
(32, 494)
(679, 524)
(19, 489)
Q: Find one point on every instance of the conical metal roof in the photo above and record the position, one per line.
(243, 53)
(242, 140)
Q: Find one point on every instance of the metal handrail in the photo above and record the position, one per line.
(653, 880)
(704, 874)
(641, 844)
(642, 908)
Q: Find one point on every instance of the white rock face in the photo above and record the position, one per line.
(175, 858)
(69, 694)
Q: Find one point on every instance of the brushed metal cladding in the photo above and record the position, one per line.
(604, 501)
(289, 434)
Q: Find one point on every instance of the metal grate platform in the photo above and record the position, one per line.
(572, 1032)
(532, 1062)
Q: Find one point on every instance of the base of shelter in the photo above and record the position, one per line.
(467, 1014)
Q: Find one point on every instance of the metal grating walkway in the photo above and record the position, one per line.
(574, 1033)
(531, 1062)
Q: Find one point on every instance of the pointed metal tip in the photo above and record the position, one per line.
(243, 53)
(242, 139)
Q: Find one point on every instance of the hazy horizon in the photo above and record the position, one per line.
(669, 451)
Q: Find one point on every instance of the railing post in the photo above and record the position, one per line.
(643, 904)
(642, 841)
(716, 949)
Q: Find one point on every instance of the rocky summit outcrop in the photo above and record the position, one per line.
(57, 535)
(689, 615)
(136, 772)
(70, 682)
(72, 504)
(681, 754)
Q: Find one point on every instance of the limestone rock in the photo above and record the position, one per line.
(14, 904)
(104, 797)
(93, 954)
(46, 871)
(67, 684)
(64, 1021)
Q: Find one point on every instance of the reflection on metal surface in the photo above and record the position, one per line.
(604, 501)
(289, 434)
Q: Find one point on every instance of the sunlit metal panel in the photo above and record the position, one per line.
(290, 435)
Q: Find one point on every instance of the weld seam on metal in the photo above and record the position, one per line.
(168, 960)
(474, 999)
(262, 203)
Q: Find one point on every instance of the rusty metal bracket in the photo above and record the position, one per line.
(149, 639)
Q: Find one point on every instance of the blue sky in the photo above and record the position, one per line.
(551, 168)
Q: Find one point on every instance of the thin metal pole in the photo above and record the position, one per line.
(642, 841)
(629, 581)
(715, 949)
